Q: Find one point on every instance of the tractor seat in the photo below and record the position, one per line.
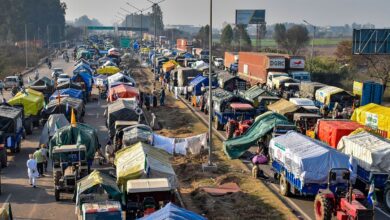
(70, 170)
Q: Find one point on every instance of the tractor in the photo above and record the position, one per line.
(236, 128)
(344, 203)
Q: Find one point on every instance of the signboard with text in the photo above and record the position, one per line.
(250, 17)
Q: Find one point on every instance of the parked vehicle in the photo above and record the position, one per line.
(11, 126)
(56, 72)
(344, 203)
(254, 93)
(43, 85)
(144, 196)
(102, 210)
(12, 81)
(231, 60)
(296, 69)
(308, 89)
(32, 102)
(372, 154)
(368, 92)
(69, 165)
(63, 78)
(218, 62)
(272, 78)
(230, 82)
(305, 122)
(255, 67)
(331, 131)
(64, 106)
(307, 176)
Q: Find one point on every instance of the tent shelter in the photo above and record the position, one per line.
(55, 122)
(170, 211)
(74, 93)
(122, 91)
(65, 106)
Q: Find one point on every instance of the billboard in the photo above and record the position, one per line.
(371, 41)
(250, 16)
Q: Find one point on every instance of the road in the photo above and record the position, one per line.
(39, 203)
(303, 205)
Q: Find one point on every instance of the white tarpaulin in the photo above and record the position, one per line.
(55, 121)
(372, 152)
(308, 159)
(181, 146)
(120, 77)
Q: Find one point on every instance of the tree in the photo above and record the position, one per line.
(159, 20)
(379, 68)
(86, 21)
(242, 38)
(227, 36)
(293, 39)
(203, 36)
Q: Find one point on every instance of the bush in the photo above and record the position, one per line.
(327, 70)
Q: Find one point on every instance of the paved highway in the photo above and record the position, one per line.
(39, 203)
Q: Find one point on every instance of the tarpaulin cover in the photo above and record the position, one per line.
(331, 131)
(55, 122)
(172, 212)
(120, 77)
(236, 147)
(65, 106)
(74, 93)
(31, 100)
(108, 70)
(121, 110)
(283, 107)
(86, 78)
(324, 94)
(69, 84)
(143, 161)
(372, 152)
(44, 81)
(374, 116)
(308, 159)
(308, 89)
(199, 64)
(170, 65)
(82, 67)
(92, 183)
(137, 133)
(122, 91)
(185, 75)
(254, 92)
(278, 81)
(82, 134)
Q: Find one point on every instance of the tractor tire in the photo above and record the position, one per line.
(386, 196)
(206, 111)
(36, 123)
(323, 208)
(284, 185)
(57, 194)
(28, 126)
(3, 158)
(217, 125)
(230, 128)
(57, 176)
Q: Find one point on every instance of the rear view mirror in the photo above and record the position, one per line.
(333, 176)
(346, 175)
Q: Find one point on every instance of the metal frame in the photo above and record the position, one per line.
(370, 37)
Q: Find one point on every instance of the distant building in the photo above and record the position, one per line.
(186, 28)
(134, 20)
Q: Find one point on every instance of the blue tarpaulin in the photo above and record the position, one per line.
(86, 78)
(198, 82)
(188, 55)
(82, 67)
(74, 93)
(172, 212)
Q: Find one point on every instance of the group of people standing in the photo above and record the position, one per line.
(150, 99)
(37, 164)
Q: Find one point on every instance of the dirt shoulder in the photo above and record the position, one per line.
(255, 201)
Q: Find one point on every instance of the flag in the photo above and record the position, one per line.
(73, 121)
(350, 164)
(67, 108)
(371, 197)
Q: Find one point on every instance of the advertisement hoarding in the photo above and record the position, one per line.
(250, 17)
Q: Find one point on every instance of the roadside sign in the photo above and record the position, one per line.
(371, 41)
(101, 28)
(125, 42)
(250, 17)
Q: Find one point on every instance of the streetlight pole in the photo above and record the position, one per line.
(141, 11)
(26, 43)
(314, 37)
(210, 163)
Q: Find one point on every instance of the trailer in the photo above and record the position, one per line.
(295, 160)
(231, 60)
(372, 154)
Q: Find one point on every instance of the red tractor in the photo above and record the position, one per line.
(236, 128)
(345, 204)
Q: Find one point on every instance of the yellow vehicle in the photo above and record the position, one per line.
(375, 117)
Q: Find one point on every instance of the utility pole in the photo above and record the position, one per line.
(155, 38)
(314, 37)
(25, 43)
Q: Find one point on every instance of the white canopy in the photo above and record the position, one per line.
(55, 121)
(120, 77)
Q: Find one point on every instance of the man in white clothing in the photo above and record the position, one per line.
(32, 170)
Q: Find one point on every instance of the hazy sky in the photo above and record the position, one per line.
(196, 12)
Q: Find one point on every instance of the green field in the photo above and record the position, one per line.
(317, 42)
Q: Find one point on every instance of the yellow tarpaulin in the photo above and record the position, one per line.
(145, 50)
(283, 107)
(374, 116)
(31, 100)
(143, 161)
(323, 95)
(170, 65)
(110, 70)
(277, 81)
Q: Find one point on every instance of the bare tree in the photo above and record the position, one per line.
(293, 40)
(379, 68)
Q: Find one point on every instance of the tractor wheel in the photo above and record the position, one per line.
(386, 196)
(57, 194)
(57, 176)
(4, 160)
(284, 185)
(230, 129)
(28, 126)
(206, 111)
(323, 208)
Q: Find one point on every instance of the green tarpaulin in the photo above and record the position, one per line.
(82, 134)
(92, 184)
(236, 147)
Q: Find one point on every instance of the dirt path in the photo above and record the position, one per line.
(255, 201)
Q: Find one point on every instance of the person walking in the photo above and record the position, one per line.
(38, 156)
(32, 170)
(162, 97)
(147, 101)
(45, 154)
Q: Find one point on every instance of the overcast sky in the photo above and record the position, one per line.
(196, 12)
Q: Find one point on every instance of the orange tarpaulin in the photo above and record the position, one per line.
(122, 91)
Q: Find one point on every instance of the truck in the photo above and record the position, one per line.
(368, 92)
(256, 67)
(372, 161)
(231, 62)
(102, 210)
(296, 69)
(201, 54)
(295, 161)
